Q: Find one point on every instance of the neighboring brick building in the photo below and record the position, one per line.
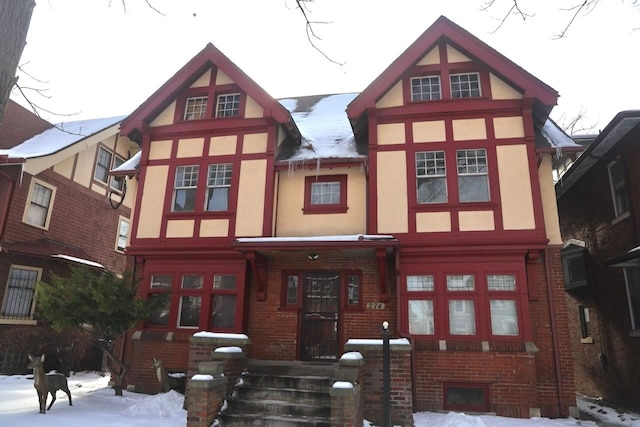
(58, 206)
(426, 200)
(598, 201)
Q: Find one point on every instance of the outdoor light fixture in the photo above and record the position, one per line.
(313, 257)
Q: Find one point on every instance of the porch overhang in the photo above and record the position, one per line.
(627, 259)
(258, 249)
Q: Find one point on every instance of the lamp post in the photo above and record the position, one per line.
(386, 376)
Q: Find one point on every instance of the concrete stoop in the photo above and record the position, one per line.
(285, 394)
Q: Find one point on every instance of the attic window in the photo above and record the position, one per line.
(325, 194)
(425, 88)
(465, 85)
(228, 105)
(195, 108)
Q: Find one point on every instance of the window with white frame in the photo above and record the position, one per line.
(618, 185)
(123, 234)
(117, 182)
(465, 85)
(20, 292)
(228, 105)
(184, 190)
(218, 185)
(431, 176)
(632, 279)
(462, 311)
(38, 209)
(103, 164)
(195, 108)
(473, 181)
(425, 88)
(420, 304)
(502, 304)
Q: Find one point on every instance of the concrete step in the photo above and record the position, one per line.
(268, 420)
(248, 392)
(277, 407)
(287, 381)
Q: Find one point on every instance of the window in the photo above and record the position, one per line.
(189, 311)
(585, 322)
(218, 185)
(325, 194)
(431, 177)
(103, 163)
(421, 314)
(425, 88)
(20, 292)
(123, 234)
(228, 105)
(632, 279)
(466, 397)
(465, 85)
(473, 182)
(574, 266)
(291, 290)
(618, 185)
(160, 283)
(38, 209)
(354, 299)
(184, 193)
(350, 285)
(502, 304)
(223, 306)
(195, 108)
(117, 182)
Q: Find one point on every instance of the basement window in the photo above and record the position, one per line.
(466, 397)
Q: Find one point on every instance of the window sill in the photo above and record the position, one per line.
(461, 206)
(635, 333)
(324, 210)
(39, 227)
(201, 214)
(620, 218)
(587, 340)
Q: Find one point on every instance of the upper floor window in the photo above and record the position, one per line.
(325, 194)
(40, 202)
(185, 186)
(123, 234)
(103, 164)
(425, 88)
(632, 279)
(466, 85)
(473, 182)
(195, 108)
(218, 185)
(228, 105)
(20, 292)
(431, 177)
(618, 185)
(117, 182)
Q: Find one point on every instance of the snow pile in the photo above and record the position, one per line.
(164, 405)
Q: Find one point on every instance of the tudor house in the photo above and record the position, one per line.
(598, 200)
(58, 207)
(427, 200)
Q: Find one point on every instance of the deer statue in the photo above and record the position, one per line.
(47, 383)
(166, 380)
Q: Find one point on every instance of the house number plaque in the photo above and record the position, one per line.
(375, 306)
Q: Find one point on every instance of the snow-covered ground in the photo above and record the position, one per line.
(94, 405)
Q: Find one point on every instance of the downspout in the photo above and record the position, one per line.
(554, 334)
(4, 217)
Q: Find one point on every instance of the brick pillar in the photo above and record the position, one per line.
(401, 380)
(235, 363)
(206, 395)
(347, 397)
(202, 345)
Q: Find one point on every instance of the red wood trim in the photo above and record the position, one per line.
(135, 220)
(259, 269)
(372, 181)
(532, 275)
(268, 224)
(310, 208)
(381, 255)
(212, 126)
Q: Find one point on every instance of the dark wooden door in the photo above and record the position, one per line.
(320, 316)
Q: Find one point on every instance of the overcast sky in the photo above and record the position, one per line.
(97, 59)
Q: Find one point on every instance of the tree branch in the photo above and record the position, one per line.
(309, 30)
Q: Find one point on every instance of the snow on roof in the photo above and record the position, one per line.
(78, 260)
(556, 137)
(345, 238)
(59, 137)
(130, 166)
(324, 126)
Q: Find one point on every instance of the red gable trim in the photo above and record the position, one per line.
(459, 38)
(207, 57)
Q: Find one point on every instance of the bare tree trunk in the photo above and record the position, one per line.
(15, 16)
(118, 369)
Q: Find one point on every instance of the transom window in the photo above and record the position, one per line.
(431, 177)
(195, 108)
(228, 105)
(465, 85)
(618, 185)
(218, 185)
(38, 210)
(184, 193)
(20, 292)
(425, 88)
(473, 181)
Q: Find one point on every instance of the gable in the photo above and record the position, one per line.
(209, 75)
(447, 44)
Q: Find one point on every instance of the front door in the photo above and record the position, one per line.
(320, 308)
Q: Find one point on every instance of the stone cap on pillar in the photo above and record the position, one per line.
(396, 344)
(221, 339)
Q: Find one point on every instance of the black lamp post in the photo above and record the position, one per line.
(386, 376)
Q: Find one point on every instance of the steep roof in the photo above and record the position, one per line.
(18, 125)
(206, 58)
(460, 38)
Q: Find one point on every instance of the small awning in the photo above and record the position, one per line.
(627, 259)
(47, 248)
